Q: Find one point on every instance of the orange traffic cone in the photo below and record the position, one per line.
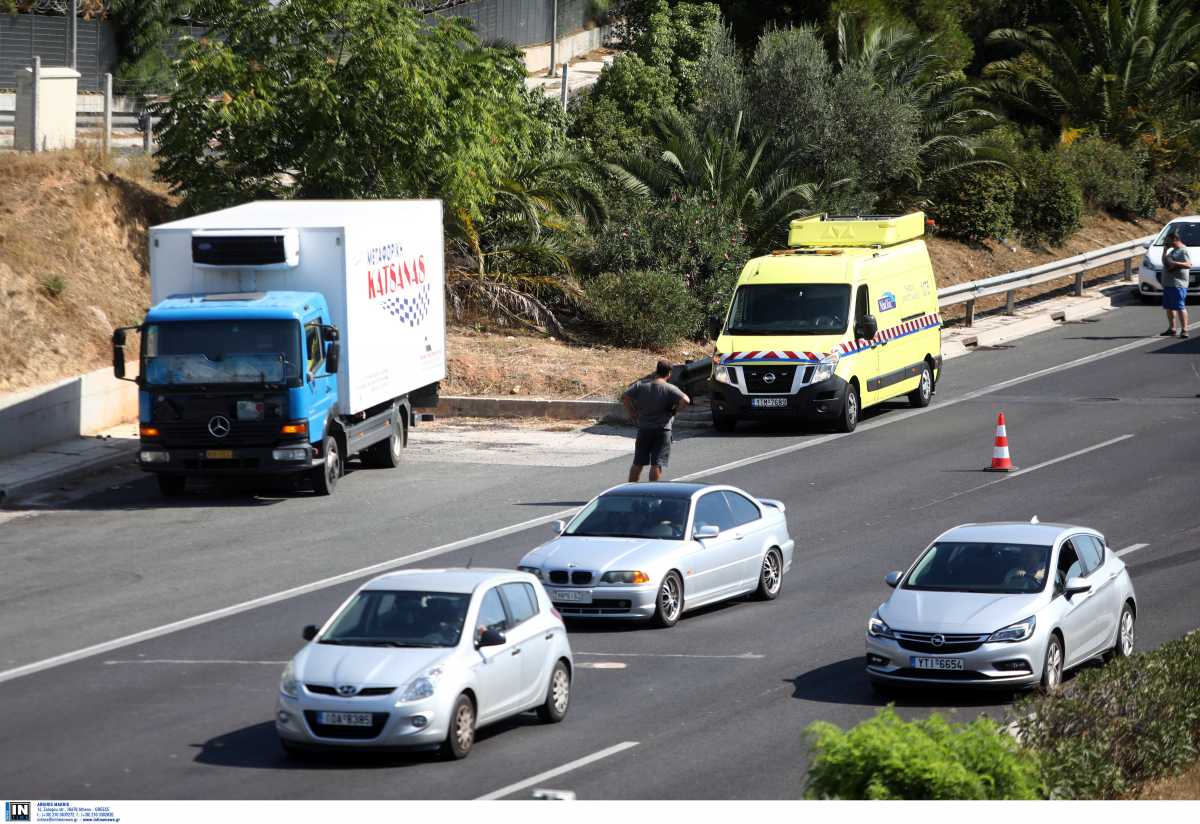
(1001, 462)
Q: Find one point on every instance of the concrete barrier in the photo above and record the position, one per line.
(457, 406)
(67, 409)
(537, 58)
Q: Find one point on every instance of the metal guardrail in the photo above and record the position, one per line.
(1010, 282)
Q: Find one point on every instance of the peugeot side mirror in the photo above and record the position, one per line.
(333, 357)
(1075, 586)
(706, 531)
(714, 327)
(310, 632)
(866, 328)
(491, 638)
(892, 579)
(558, 527)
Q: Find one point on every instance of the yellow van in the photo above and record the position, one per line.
(844, 318)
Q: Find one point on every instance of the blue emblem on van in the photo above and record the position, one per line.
(887, 302)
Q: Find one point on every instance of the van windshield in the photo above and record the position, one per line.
(790, 309)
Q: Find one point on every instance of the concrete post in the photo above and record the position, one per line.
(969, 310)
(1128, 268)
(148, 135)
(73, 34)
(1010, 302)
(565, 91)
(553, 38)
(106, 141)
(33, 119)
(1078, 290)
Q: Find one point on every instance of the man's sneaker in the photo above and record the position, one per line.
(1170, 333)
(1183, 333)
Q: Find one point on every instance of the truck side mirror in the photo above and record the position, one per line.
(714, 327)
(118, 353)
(867, 328)
(333, 356)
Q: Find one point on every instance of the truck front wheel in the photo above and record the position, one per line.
(325, 477)
(387, 453)
(171, 486)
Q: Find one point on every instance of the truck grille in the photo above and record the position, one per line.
(775, 380)
(197, 434)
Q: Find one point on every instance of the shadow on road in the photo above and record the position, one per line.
(845, 682)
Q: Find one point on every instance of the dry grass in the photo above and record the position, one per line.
(1184, 787)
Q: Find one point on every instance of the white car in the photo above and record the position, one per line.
(422, 658)
(656, 550)
(1150, 272)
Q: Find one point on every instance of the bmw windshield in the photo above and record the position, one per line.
(632, 516)
(955, 566)
(206, 352)
(790, 309)
(387, 618)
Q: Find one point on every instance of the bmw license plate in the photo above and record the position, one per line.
(769, 402)
(345, 719)
(937, 663)
(574, 596)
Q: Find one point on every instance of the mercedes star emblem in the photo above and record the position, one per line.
(347, 690)
(769, 377)
(218, 426)
(937, 640)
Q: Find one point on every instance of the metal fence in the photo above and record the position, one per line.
(24, 35)
(520, 22)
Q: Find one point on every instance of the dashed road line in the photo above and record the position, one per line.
(557, 771)
(1131, 548)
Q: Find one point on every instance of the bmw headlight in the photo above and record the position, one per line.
(536, 572)
(422, 686)
(826, 367)
(876, 628)
(632, 576)
(1020, 631)
(289, 685)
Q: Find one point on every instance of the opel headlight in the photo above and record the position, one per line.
(826, 367)
(289, 685)
(632, 576)
(721, 374)
(1020, 631)
(876, 628)
(536, 572)
(422, 686)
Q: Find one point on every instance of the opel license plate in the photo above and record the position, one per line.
(345, 719)
(575, 596)
(769, 402)
(218, 454)
(937, 663)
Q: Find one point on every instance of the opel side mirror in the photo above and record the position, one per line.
(1075, 586)
(333, 357)
(310, 632)
(892, 579)
(706, 531)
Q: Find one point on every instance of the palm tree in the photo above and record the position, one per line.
(1125, 72)
(757, 184)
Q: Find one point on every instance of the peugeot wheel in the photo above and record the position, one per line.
(325, 477)
(1052, 669)
(770, 576)
(669, 603)
(558, 695)
(461, 735)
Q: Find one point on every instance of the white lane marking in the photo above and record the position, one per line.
(225, 612)
(1126, 550)
(612, 665)
(1026, 470)
(557, 771)
(745, 656)
(190, 661)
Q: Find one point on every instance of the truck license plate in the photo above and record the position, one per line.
(218, 454)
(345, 719)
(937, 663)
(575, 596)
(770, 402)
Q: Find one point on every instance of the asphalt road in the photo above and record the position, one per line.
(717, 706)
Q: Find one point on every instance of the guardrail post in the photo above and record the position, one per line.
(1128, 268)
(565, 90)
(1079, 283)
(969, 306)
(1010, 302)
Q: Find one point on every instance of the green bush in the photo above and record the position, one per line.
(1111, 728)
(889, 758)
(1048, 206)
(975, 203)
(54, 286)
(1111, 177)
(615, 117)
(639, 308)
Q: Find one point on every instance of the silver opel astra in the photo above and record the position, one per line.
(1002, 604)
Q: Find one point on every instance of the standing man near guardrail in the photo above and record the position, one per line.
(1177, 267)
(652, 406)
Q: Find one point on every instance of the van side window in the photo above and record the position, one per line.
(312, 346)
(862, 303)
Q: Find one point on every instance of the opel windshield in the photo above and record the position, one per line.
(958, 566)
(790, 309)
(183, 353)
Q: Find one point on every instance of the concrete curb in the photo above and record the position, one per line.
(469, 407)
(118, 455)
(962, 340)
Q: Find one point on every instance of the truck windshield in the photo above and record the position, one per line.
(221, 351)
(790, 309)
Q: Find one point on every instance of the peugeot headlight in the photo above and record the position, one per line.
(289, 685)
(826, 367)
(876, 628)
(536, 572)
(422, 686)
(632, 576)
(721, 374)
(1020, 631)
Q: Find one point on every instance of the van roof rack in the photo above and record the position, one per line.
(856, 230)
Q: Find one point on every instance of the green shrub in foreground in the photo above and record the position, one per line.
(1113, 727)
(889, 758)
(640, 308)
(1048, 207)
(975, 203)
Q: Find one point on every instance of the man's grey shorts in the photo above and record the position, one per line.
(652, 447)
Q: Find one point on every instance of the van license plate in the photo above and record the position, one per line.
(575, 596)
(937, 663)
(345, 719)
(218, 454)
(769, 402)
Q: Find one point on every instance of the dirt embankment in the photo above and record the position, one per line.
(73, 266)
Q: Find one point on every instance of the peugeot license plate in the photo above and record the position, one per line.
(345, 719)
(218, 454)
(936, 663)
(769, 402)
(575, 596)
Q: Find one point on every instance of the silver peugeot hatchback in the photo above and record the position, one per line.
(1002, 604)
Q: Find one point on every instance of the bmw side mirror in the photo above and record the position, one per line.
(1075, 586)
(333, 356)
(714, 327)
(892, 579)
(558, 527)
(704, 531)
(310, 632)
(491, 638)
(866, 328)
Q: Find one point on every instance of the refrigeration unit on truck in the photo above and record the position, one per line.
(288, 336)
